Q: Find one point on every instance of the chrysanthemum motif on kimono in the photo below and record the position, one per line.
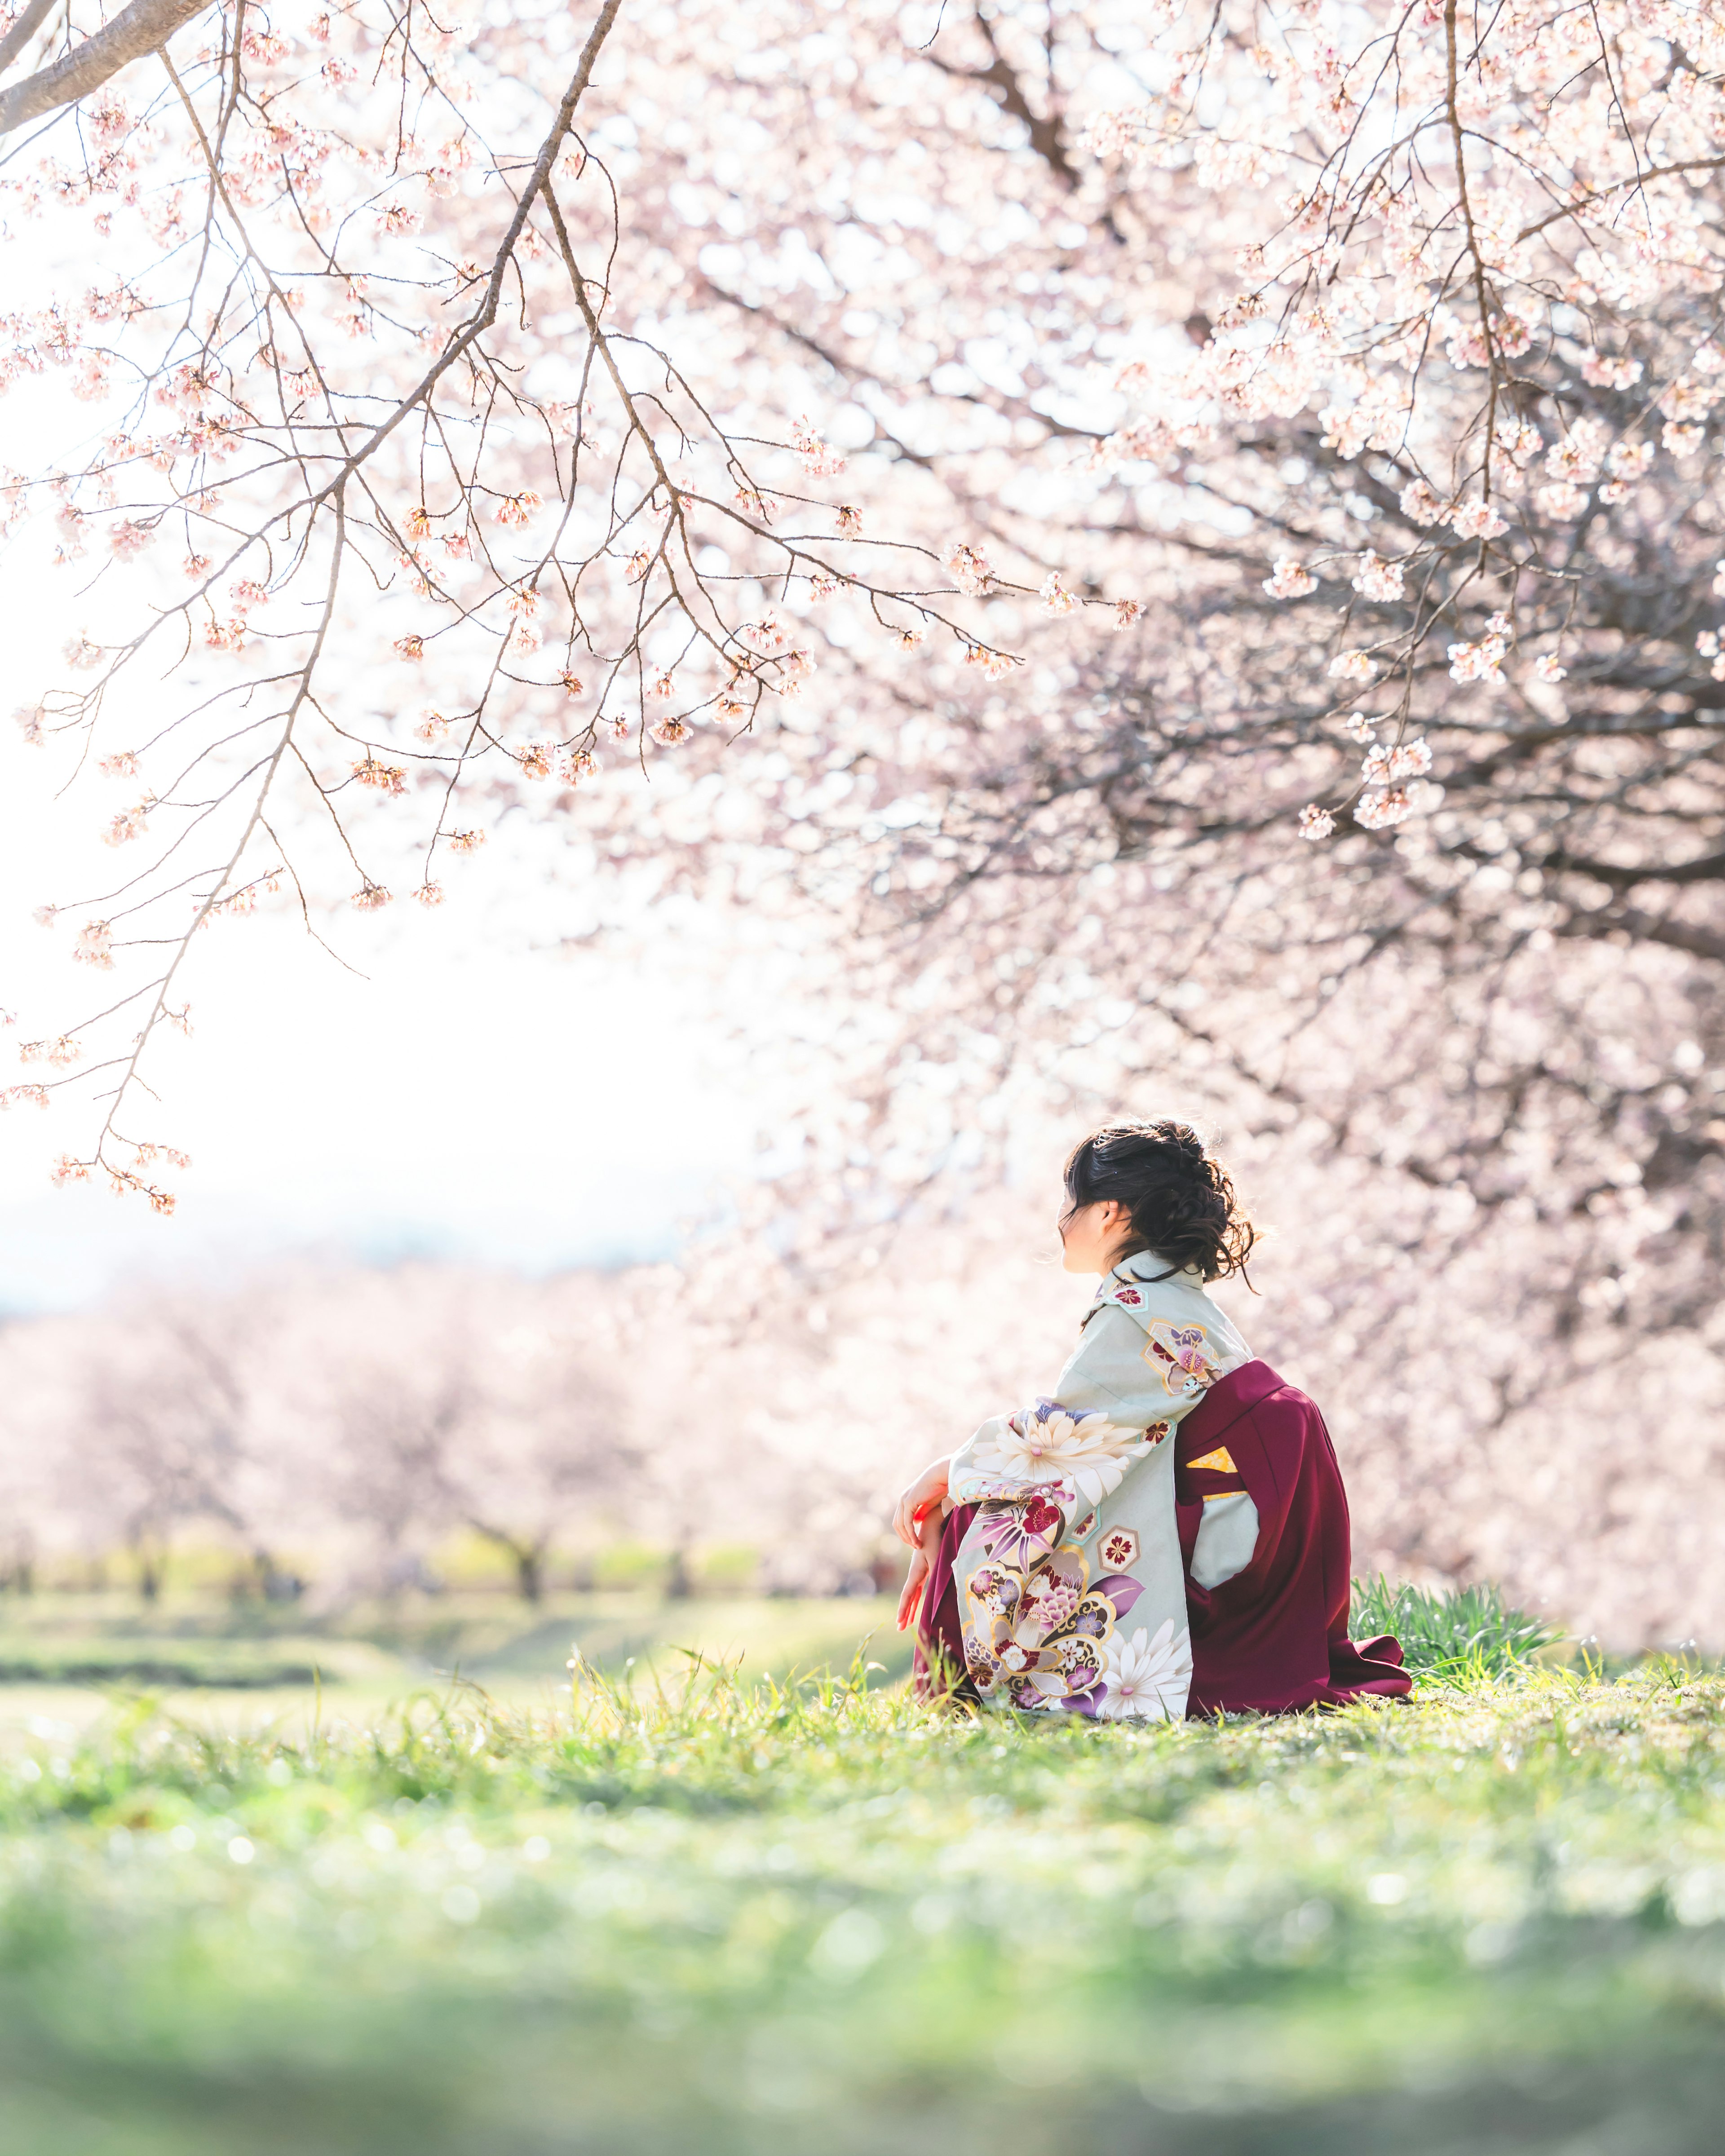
(1082, 1455)
(1145, 1676)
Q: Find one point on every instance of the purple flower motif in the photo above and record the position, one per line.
(1121, 1590)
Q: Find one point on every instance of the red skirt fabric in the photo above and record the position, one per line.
(1273, 1638)
(939, 1663)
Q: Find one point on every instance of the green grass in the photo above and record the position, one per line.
(742, 1920)
(65, 1658)
(1456, 1632)
(194, 1638)
(231, 1666)
(201, 1639)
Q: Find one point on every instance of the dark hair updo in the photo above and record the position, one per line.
(1176, 1195)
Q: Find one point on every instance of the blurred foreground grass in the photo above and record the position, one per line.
(724, 1918)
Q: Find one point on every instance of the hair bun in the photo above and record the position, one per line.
(1178, 1196)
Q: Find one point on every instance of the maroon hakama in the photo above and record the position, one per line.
(1273, 1638)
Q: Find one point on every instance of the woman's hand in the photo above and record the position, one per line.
(915, 1504)
(910, 1600)
(922, 1560)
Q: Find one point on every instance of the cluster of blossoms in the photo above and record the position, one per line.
(818, 459)
(1482, 661)
(1484, 292)
(60, 1052)
(1440, 333)
(383, 778)
(295, 281)
(1386, 763)
(970, 568)
(1289, 580)
(1379, 579)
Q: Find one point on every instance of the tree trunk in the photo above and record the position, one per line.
(678, 1584)
(21, 1572)
(151, 1558)
(528, 1558)
(263, 1576)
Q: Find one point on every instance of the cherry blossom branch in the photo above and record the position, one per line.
(29, 19)
(162, 1201)
(144, 27)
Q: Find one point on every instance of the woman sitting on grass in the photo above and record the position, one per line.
(1168, 1535)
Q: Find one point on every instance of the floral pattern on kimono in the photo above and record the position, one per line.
(1042, 1635)
(1075, 1531)
(1182, 1351)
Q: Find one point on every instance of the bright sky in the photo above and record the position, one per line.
(466, 1102)
(472, 1098)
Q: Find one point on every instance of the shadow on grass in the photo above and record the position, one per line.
(543, 2087)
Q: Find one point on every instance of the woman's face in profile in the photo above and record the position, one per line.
(1091, 1236)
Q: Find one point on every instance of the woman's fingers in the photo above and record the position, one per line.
(928, 1487)
(903, 1518)
(911, 1595)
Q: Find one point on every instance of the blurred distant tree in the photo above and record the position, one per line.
(434, 1400)
(555, 1443)
(164, 1435)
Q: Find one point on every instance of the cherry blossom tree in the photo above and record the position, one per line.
(371, 356)
(427, 1403)
(560, 1442)
(1263, 643)
(1365, 365)
(347, 1425)
(1196, 319)
(153, 1425)
(1410, 476)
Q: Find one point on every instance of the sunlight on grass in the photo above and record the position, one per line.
(754, 1908)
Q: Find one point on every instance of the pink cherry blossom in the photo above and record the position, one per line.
(1289, 580)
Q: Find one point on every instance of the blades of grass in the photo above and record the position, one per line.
(1436, 1627)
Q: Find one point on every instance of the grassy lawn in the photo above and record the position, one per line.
(63, 1657)
(730, 1917)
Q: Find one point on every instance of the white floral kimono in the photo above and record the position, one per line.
(1075, 1532)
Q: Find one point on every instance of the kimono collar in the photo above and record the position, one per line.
(1149, 1266)
(1124, 1284)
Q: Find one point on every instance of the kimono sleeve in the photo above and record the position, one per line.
(1110, 1404)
